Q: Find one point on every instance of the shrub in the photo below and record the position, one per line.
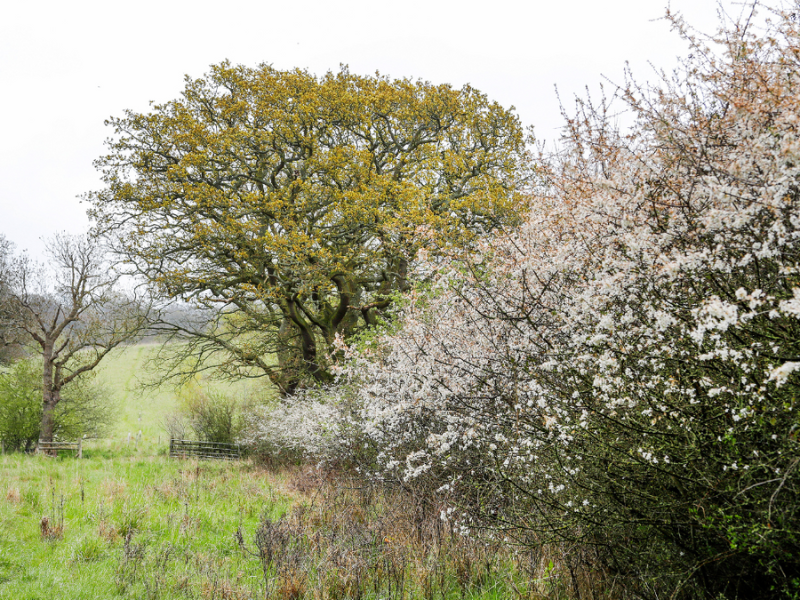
(84, 410)
(210, 415)
(622, 372)
(314, 425)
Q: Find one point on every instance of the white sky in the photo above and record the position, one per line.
(67, 66)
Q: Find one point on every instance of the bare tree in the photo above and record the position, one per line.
(9, 344)
(71, 310)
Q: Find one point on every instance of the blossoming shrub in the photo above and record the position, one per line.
(623, 370)
(313, 425)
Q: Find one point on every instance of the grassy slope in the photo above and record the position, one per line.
(121, 373)
(144, 409)
(127, 522)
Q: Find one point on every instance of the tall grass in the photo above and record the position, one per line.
(154, 528)
(130, 528)
(126, 522)
(360, 540)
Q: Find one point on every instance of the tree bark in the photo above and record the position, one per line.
(51, 396)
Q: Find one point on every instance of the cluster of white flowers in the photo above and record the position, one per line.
(624, 367)
(308, 425)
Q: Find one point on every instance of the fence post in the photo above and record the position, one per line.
(80, 447)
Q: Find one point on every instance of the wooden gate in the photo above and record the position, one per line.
(192, 449)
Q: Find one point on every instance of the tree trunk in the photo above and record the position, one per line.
(47, 427)
(50, 397)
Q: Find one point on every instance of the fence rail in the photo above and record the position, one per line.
(52, 448)
(192, 449)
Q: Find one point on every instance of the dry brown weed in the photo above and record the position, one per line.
(108, 531)
(49, 530)
(112, 488)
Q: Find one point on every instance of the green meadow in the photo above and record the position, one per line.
(130, 527)
(126, 521)
(127, 375)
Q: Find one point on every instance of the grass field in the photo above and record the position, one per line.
(128, 522)
(130, 527)
(95, 528)
(160, 529)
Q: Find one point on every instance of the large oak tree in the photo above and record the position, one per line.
(289, 206)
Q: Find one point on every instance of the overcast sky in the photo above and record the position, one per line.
(67, 66)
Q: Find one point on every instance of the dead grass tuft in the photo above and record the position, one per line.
(50, 531)
(108, 531)
(113, 488)
(13, 496)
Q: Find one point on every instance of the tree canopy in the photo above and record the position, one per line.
(291, 205)
(10, 345)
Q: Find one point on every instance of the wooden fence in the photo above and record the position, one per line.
(191, 449)
(52, 448)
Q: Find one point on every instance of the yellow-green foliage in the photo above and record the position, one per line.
(296, 202)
